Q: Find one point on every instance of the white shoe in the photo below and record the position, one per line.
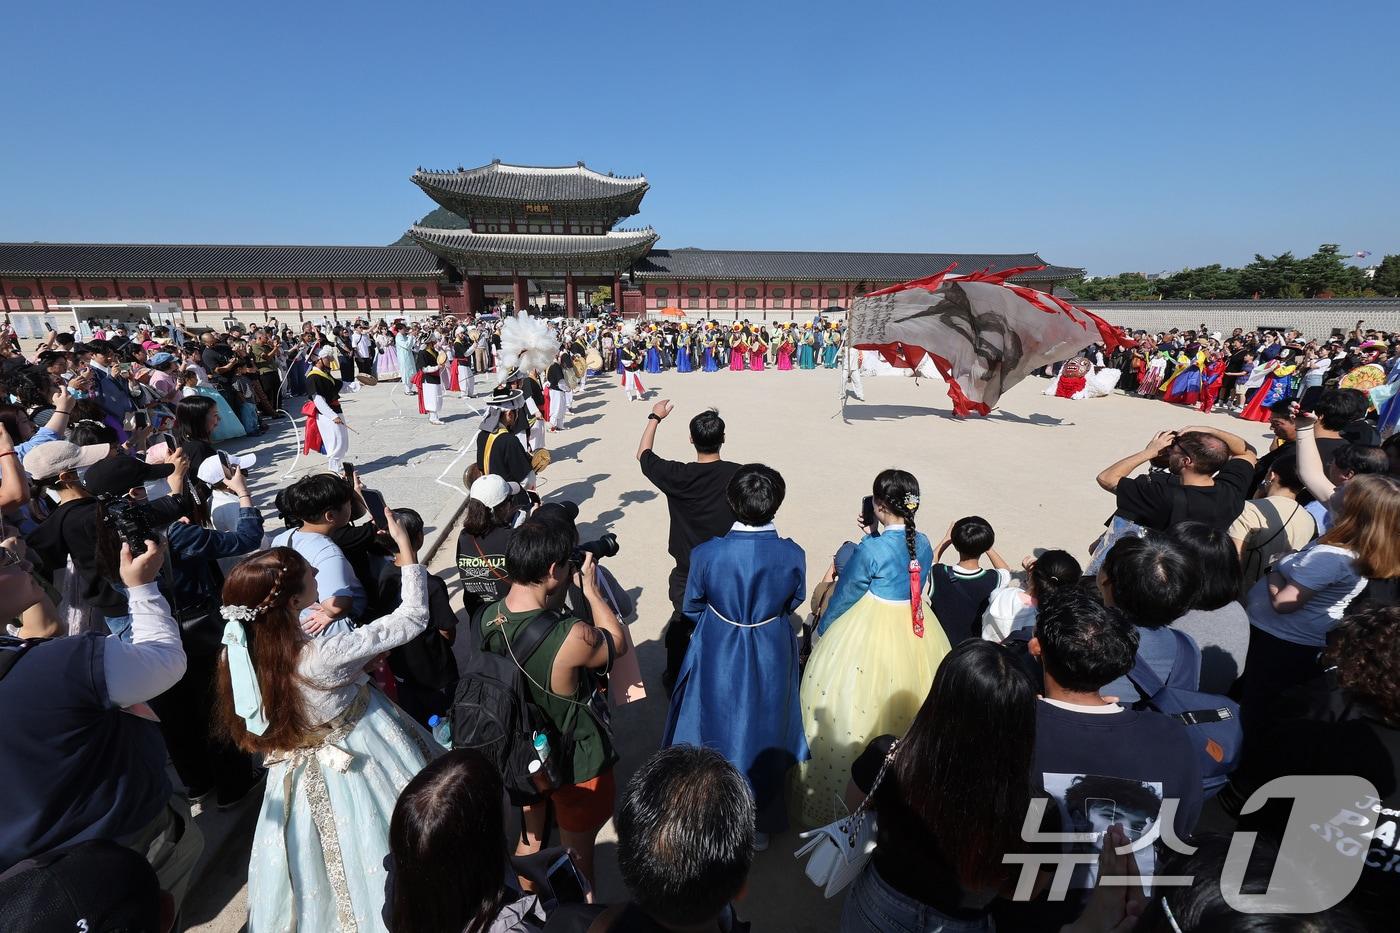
(436, 421)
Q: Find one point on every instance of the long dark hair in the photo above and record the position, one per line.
(266, 583)
(192, 420)
(447, 848)
(959, 793)
(898, 491)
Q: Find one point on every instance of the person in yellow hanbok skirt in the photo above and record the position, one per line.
(879, 649)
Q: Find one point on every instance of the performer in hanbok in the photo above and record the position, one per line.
(406, 344)
(711, 365)
(738, 353)
(1152, 379)
(786, 346)
(758, 353)
(653, 357)
(737, 691)
(683, 364)
(832, 352)
(879, 649)
(386, 360)
(630, 359)
(1279, 382)
(325, 427)
(428, 380)
(806, 350)
(338, 752)
(1212, 381)
(1184, 387)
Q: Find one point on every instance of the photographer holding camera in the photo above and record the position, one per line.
(82, 526)
(561, 677)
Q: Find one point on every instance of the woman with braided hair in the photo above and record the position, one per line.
(338, 752)
(880, 647)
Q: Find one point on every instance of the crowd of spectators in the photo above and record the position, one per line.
(1237, 622)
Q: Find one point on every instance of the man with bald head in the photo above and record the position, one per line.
(1199, 474)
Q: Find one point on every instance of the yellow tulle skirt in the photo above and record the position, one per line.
(868, 676)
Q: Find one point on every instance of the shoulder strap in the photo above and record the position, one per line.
(533, 636)
(1181, 664)
(1146, 680)
(11, 650)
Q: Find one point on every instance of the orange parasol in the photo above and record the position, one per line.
(672, 312)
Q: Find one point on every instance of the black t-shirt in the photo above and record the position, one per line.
(695, 498)
(1324, 730)
(482, 565)
(70, 531)
(427, 659)
(907, 855)
(960, 598)
(579, 918)
(1326, 447)
(1159, 500)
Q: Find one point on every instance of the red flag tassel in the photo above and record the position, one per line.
(916, 603)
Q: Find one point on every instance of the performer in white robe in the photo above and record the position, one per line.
(323, 386)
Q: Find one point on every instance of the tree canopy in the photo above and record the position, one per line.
(1324, 274)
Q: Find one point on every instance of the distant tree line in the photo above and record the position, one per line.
(1324, 274)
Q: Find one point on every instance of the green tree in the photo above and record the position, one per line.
(1269, 278)
(1387, 278)
(1128, 286)
(1206, 282)
(1325, 272)
(600, 295)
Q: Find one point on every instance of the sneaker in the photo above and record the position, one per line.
(230, 798)
(760, 842)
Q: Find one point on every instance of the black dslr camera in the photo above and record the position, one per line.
(605, 546)
(132, 521)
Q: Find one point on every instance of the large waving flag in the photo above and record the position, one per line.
(982, 333)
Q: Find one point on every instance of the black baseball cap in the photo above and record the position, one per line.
(119, 475)
(98, 886)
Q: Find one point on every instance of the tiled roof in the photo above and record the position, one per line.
(698, 264)
(499, 181)
(185, 261)
(532, 244)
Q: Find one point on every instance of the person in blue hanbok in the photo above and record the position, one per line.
(653, 357)
(711, 365)
(806, 349)
(338, 752)
(406, 344)
(737, 691)
(683, 350)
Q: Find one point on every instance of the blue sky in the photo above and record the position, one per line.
(1112, 135)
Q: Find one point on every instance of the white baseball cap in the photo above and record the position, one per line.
(490, 490)
(211, 470)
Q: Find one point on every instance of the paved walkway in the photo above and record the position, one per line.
(1029, 469)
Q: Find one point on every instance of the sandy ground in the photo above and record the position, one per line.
(1028, 469)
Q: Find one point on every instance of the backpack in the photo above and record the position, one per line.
(492, 711)
(1212, 721)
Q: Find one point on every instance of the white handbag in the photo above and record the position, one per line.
(840, 849)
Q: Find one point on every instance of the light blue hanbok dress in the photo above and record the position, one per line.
(323, 833)
(408, 358)
(737, 691)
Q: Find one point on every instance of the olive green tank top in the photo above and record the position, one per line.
(593, 751)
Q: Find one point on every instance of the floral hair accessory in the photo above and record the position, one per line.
(238, 613)
(911, 502)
